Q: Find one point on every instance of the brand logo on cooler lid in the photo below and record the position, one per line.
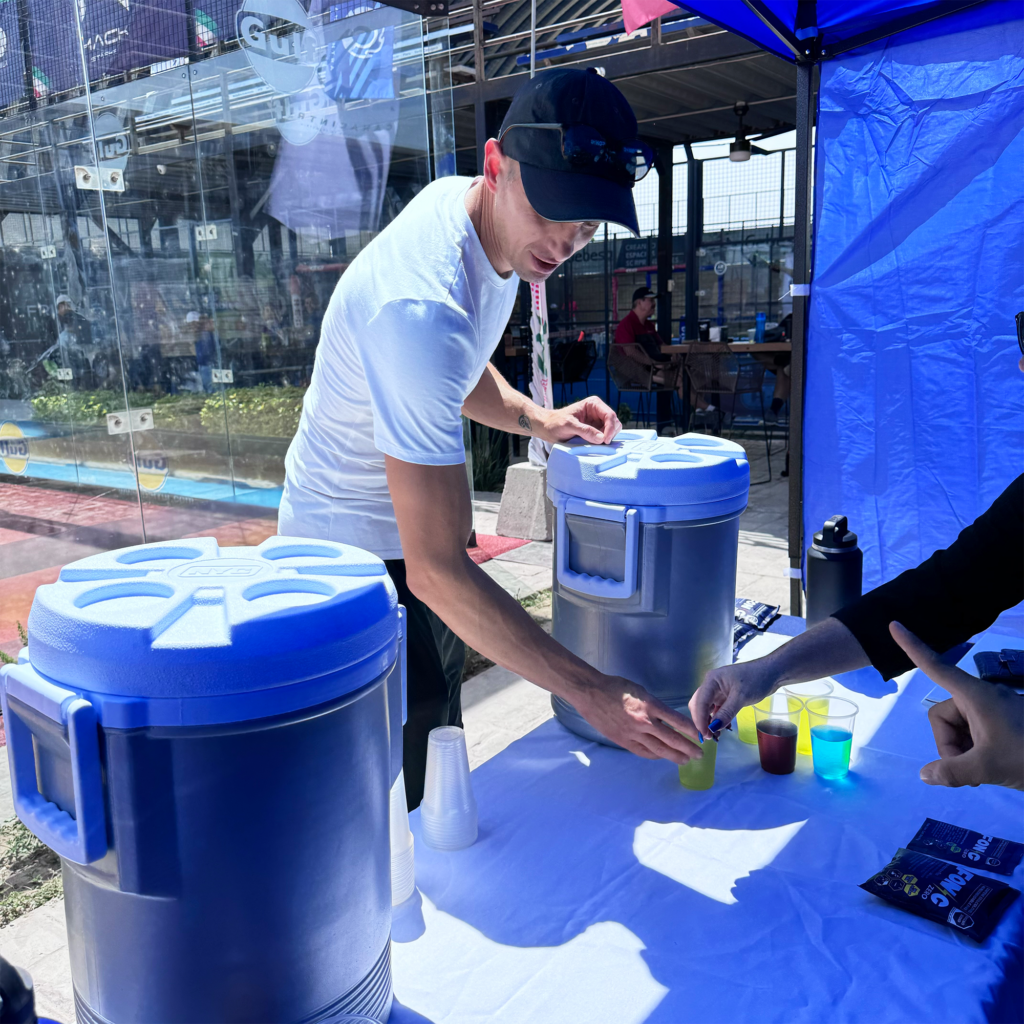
(219, 568)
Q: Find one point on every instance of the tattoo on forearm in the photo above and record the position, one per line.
(524, 422)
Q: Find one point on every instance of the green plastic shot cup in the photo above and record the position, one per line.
(746, 727)
(700, 774)
(813, 696)
(832, 736)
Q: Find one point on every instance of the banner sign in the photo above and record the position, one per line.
(360, 63)
(12, 58)
(540, 385)
(216, 21)
(117, 36)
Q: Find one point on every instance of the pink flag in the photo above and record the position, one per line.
(637, 13)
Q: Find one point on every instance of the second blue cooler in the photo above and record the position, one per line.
(646, 534)
(204, 736)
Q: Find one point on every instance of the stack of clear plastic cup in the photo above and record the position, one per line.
(403, 864)
(448, 810)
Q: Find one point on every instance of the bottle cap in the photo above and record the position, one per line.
(834, 535)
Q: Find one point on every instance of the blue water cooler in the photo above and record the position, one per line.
(207, 736)
(646, 534)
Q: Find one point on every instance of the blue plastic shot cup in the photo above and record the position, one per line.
(831, 720)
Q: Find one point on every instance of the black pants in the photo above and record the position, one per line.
(436, 657)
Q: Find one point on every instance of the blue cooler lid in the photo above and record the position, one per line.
(190, 632)
(666, 479)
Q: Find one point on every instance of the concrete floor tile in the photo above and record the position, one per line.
(37, 943)
(537, 552)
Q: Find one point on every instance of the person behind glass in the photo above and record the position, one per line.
(956, 593)
(205, 345)
(378, 459)
(635, 328)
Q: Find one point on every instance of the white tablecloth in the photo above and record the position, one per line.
(602, 891)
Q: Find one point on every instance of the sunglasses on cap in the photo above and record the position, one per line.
(1020, 332)
(583, 147)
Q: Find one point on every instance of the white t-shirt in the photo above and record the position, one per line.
(405, 339)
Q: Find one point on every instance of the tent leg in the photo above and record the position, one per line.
(801, 299)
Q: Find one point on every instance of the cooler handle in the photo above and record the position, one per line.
(82, 838)
(584, 583)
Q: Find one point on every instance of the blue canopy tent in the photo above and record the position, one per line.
(906, 410)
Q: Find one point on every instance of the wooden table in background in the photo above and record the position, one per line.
(734, 346)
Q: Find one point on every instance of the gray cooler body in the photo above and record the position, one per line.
(645, 559)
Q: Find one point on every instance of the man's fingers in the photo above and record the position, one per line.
(587, 432)
(667, 736)
(675, 720)
(962, 770)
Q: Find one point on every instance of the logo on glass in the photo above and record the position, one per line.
(13, 448)
(281, 43)
(152, 470)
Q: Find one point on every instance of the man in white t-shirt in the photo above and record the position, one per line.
(378, 460)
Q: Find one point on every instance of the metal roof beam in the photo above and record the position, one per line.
(774, 25)
(699, 51)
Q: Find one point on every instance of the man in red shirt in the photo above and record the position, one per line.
(636, 328)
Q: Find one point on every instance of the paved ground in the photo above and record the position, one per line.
(498, 706)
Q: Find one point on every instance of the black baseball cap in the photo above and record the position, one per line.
(565, 189)
(643, 293)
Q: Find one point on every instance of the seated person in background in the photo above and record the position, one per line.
(778, 363)
(958, 592)
(635, 328)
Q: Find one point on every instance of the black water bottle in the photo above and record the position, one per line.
(834, 569)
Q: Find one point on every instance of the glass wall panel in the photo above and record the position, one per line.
(193, 192)
(67, 482)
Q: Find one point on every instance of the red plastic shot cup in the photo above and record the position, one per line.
(778, 726)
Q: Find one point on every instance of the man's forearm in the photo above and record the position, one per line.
(495, 403)
(483, 615)
(824, 650)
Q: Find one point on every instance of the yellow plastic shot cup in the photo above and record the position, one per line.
(745, 724)
(700, 774)
(814, 695)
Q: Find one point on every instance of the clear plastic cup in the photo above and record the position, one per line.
(403, 863)
(700, 774)
(746, 727)
(777, 728)
(448, 811)
(812, 694)
(832, 736)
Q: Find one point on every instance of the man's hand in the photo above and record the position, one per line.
(727, 689)
(627, 714)
(589, 418)
(434, 516)
(979, 732)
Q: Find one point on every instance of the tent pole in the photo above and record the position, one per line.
(801, 298)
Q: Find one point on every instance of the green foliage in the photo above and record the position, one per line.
(179, 412)
(542, 597)
(22, 634)
(262, 411)
(489, 462)
(625, 413)
(56, 405)
(29, 872)
(7, 659)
